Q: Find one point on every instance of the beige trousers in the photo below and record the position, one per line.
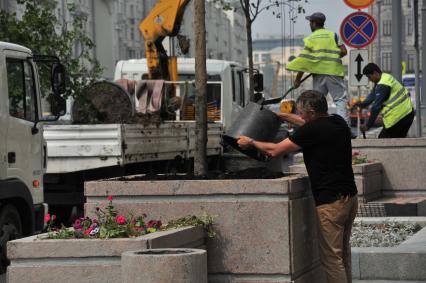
(334, 231)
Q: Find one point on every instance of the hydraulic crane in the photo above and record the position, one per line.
(164, 20)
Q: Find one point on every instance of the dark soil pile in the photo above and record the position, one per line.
(103, 102)
(251, 173)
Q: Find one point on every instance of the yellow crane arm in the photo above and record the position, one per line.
(163, 20)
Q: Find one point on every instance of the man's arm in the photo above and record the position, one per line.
(298, 79)
(291, 118)
(343, 51)
(368, 100)
(382, 94)
(270, 149)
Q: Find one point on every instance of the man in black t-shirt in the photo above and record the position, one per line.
(327, 152)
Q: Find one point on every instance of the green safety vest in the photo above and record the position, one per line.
(398, 105)
(321, 55)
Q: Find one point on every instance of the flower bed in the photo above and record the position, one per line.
(91, 250)
(107, 223)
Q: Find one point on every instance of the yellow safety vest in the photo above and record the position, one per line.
(398, 105)
(321, 55)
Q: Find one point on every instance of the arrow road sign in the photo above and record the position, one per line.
(358, 58)
(358, 30)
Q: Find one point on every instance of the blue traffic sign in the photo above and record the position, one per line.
(358, 30)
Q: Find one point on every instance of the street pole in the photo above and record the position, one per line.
(379, 33)
(417, 70)
(397, 39)
(423, 92)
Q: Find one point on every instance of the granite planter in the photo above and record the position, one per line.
(165, 266)
(368, 179)
(86, 260)
(265, 227)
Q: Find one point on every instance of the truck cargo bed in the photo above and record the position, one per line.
(74, 148)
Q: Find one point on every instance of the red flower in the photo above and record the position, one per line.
(47, 218)
(88, 230)
(154, 224)
(120, 219)
(109, 198)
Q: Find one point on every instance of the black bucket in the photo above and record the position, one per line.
(256, 122)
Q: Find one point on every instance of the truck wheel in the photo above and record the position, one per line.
(10, 229)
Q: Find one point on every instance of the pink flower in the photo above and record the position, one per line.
(47, 218)
(355, 153)
(109, 198)
(120, 219)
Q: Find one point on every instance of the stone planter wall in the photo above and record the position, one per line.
(405, 262)
(403, 161)
(265, 228)
(368, 179)
(86, 260)
(165, 266)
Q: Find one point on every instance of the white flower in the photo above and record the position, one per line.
(94, 231)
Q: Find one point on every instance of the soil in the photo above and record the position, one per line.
(102, 102)
(251, 173)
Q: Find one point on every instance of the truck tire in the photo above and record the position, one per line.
(10, 229)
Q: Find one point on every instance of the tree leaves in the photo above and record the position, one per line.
(43, 33)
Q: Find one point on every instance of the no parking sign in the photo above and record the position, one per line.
(358, 30)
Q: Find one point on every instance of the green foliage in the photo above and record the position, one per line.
(358, 158)
(41, 31)
(205, 221)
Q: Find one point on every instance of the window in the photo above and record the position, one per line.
(21, 86)
(409, 4)
(387, 62)
(387, 2)
(387, 27)
(410, 63)
(410, 26)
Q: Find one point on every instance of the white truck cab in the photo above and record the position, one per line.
(23, 152)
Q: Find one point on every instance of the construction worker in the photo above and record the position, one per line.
(321, 57)
(325, 141)
(390, 99)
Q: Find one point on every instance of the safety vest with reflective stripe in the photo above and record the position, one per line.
(321, 55)
(398, 105)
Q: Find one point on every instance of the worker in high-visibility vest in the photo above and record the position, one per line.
(321, 57)
(390, 98)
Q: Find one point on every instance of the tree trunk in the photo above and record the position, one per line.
(200, 156)
(250, 48)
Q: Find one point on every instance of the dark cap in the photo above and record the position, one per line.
(316, 17)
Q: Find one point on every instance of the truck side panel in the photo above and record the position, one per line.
(74, 148)
(82, 147)
(167, 141)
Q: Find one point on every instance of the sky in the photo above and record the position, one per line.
(334, 10)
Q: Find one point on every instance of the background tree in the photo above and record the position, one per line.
(200, 157)
(252, 9)
(41, 31)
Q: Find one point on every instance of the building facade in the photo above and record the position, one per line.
(113, 25)
(384, 56)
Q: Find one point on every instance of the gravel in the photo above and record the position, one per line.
(388, 234)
